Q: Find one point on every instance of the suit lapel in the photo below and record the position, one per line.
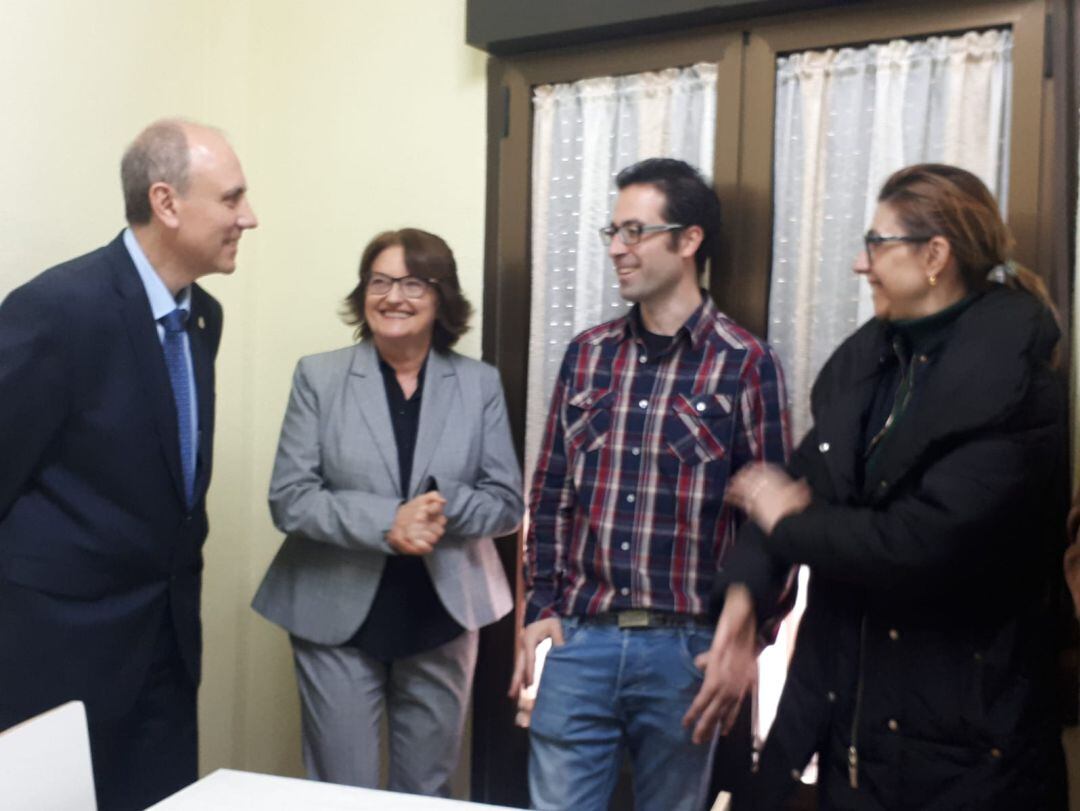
(149, 358)
(440, 385)
(203, 364)
(369, 392)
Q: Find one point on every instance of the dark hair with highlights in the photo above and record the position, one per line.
(427, 257)
(935, 198)
(689, 200)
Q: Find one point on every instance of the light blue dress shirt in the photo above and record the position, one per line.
(161, 304)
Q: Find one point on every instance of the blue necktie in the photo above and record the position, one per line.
(176, 361)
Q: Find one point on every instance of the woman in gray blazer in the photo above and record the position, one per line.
(394, 471)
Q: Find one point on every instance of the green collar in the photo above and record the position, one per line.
(926, 335)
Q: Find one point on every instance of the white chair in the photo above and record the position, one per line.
(45, 763)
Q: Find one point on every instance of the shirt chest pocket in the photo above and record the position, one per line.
(699, 429)
(588, 419)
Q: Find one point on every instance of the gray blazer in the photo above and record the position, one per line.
(335, 493)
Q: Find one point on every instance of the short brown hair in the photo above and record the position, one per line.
(158, 154)
(427, 257)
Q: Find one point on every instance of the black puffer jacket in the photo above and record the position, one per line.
(922, 674)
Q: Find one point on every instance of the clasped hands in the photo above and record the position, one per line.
(418, 525)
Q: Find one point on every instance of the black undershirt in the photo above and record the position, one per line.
(407, 617)
(656, 345)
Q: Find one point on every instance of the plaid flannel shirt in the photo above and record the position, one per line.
(627, 501)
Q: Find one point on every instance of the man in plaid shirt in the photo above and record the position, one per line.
(651, 415)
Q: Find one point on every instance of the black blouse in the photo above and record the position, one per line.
(406, 617)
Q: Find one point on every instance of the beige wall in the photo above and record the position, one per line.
(350, 116)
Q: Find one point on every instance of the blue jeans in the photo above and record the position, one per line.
(608, 690)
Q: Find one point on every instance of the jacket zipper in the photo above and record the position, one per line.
(853, 750)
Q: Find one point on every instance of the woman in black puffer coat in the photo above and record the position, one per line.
(929, 502)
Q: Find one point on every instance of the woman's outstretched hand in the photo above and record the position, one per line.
(766, 493)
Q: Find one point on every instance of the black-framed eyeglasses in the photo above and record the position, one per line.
(631, 233)
(411, 286)
(873, 238)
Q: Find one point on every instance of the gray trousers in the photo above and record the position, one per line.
(344, 693)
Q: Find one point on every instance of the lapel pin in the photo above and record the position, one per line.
(202, 322)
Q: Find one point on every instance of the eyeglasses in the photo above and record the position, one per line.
(411, 286)
(630, 233)
(872, 238)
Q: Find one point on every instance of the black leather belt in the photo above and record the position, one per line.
(647, 618)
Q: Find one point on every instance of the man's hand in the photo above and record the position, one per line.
(418, 525)
(730, 667)
(525, 662)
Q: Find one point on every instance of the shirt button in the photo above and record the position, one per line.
(624, 591)
(893, 726)
(823, 447)
(796, 774)
(624, 546)
(831, 696)
(894, 634)
(631, 498)
(643, 403)
(995, 753)
(636, 451)
(642, 359)
(700, 406)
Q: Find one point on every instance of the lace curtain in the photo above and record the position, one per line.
(584, 133)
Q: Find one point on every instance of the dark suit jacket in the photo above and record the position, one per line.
(96, 542)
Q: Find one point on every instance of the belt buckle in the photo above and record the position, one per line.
(634, 618)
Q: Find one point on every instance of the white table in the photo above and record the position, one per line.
(228, 790)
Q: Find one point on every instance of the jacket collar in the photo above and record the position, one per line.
(150, 362)
(978, 379)
(436, 403)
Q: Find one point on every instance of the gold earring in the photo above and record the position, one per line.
(932, 279)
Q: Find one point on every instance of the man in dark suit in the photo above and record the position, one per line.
(106, 428)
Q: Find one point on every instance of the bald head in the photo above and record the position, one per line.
(161, 153)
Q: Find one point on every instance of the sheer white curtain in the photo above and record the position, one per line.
(845, 120)
(584, 133)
